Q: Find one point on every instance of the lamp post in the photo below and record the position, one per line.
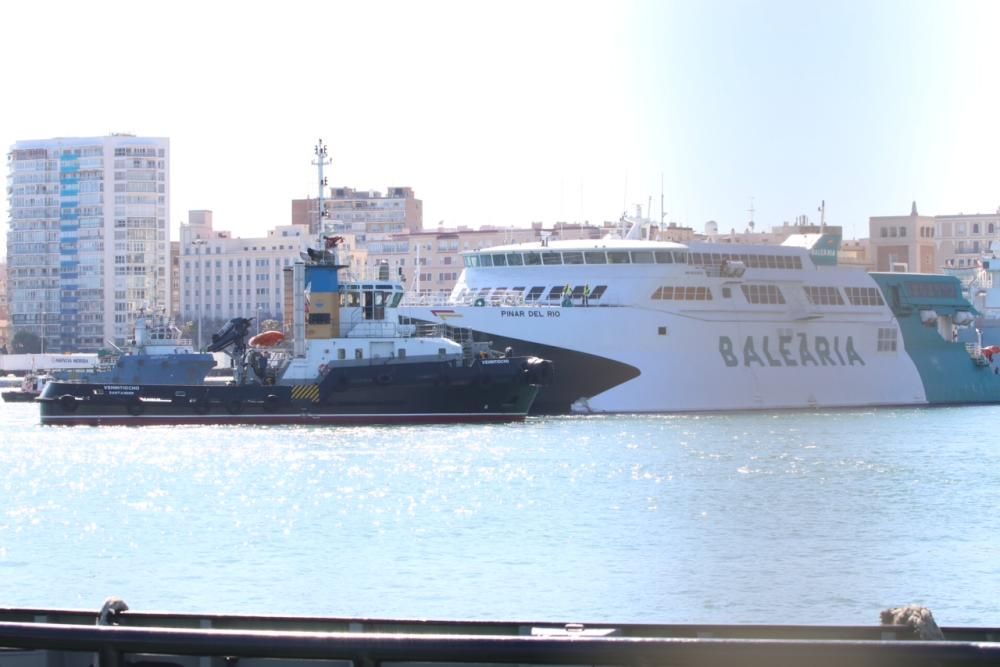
(260, 308)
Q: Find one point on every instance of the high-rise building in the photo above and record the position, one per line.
(87, 239)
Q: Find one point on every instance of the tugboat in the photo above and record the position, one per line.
(351, 362)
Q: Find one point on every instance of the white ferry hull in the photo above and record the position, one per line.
(695, 362)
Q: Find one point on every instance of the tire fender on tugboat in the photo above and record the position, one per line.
(68, 402)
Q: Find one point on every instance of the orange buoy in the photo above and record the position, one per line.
(267, 339)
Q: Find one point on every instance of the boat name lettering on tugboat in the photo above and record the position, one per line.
(522, 312)
(120, 389)
(493, 362)
(790, 350)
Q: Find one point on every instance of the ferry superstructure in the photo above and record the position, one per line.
(636, 325)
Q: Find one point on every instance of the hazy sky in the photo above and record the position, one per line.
(511, 112)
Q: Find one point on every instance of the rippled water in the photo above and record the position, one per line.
(794, 517)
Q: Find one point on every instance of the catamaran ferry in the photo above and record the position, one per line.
(636, 325)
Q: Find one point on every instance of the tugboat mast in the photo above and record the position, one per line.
(320, 162)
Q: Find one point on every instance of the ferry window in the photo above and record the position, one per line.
(483, 291)
(551, 258)
(572, 258)
(727, 293)
(577, 292)
(658, 294)
(595, 257)
(514, 259)
(597, 292)
(401, 353)
(680, 257)
(796, 262)
(471, 260)
(864, 296)
(762, 294)
(396, 299)
(358, 353)
(662, 331)
(517, 292)
(534, 293)
(642, 257)
(555, 293)
(936, 290)
(499, 260)
(886, 340)
(823, 296)
(532, 259)
(485, 260)
(664, 257)
(617, 257)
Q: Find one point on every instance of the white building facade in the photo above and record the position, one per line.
(222, 277)
(87, 238)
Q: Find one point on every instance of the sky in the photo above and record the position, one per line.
(508, 113)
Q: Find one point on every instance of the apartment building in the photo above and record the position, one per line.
(963, 238)
(87, 238)
(221, 276)
(362, 213)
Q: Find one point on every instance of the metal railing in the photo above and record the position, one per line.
(113, 643)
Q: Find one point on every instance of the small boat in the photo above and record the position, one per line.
(30, 389)
(157, 354)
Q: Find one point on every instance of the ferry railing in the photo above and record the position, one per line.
(114, 643)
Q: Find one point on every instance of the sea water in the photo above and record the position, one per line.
(784, 517)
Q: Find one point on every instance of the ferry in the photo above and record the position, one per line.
(637, 325)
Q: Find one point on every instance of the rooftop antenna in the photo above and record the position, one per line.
(751, 211)
(822, 216)
(320, 162)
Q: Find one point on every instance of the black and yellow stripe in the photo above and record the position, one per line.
(306, 392)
